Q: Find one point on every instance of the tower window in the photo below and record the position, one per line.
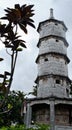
(65, 62)
(57, 81)
(67, 91)
(57, 40)
(46, 59)
(56, 24)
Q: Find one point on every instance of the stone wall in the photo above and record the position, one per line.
(52, 45)
(62, 115)
(42, 114)
(52, 28)
(50, 64)
(48, 87)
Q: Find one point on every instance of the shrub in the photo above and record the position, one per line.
(22, 127)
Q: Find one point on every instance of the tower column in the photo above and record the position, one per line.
(52, 114)
(29, 113)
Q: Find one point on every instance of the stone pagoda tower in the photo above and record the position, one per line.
(52, 59)
(53, 104)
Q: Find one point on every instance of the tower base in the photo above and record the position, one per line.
(54, 111)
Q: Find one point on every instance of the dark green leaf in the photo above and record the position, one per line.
(23, 6)
(31, 24)
(27, 19)
(15, 46)
(16, 37)
(17, 6)
(9, 46)
(7, 81)
(1, 76)
(3, 17)
(29, 7)
(1, 84)
(7, 10)
(30, 20)
(8, 28)
(19, 49)
(6, 43)
(1, 59)
(19, 41)
(7, 73)
(23, 27)
(23, 45)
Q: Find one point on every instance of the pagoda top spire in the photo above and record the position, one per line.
(51, 13)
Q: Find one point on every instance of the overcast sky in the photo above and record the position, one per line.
(26, 69)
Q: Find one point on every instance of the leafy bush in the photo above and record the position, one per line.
(17, 127)
(22, 127)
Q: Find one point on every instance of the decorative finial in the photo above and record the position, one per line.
(51, 14)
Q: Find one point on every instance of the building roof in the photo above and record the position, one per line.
(52, 19)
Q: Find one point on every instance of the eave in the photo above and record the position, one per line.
(51, 75)
(55, 37)
(51, 20)
(54, 53)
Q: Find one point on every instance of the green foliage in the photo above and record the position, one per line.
(34, 91)
(17, 127)
(22, 127)
(43, 127)
(13, 105)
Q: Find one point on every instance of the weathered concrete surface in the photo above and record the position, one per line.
(63, 127)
